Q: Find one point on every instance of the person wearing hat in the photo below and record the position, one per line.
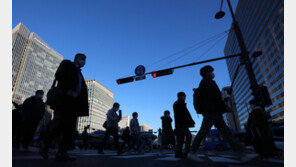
(212, 107)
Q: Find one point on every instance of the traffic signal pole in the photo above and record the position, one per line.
(131, 78)
(245, 60)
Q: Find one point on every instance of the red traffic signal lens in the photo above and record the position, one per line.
(125, 80)
(162, 73)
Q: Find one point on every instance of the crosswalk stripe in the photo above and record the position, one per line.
(134, 156)
(227, 156)
(221, 159)
(275, 160)
(168, 159)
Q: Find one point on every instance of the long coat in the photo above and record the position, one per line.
(68, 79)
(182, 115)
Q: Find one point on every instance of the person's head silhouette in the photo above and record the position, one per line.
(207, 72)
(135, 115)
(80, 59)
(116, 106)
(39, 94)
(181, 96)
(166, 113)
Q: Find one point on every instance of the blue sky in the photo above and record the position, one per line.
(117, 36)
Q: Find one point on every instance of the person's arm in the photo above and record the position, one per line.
(120, 115)
(112, 116)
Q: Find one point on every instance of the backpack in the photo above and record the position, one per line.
(197, 101)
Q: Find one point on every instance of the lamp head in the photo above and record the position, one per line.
(220, 14)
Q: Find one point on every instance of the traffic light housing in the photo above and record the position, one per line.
(162, 73)
(125, 80)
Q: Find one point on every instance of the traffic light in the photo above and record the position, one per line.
(125, 80)
(162, 73)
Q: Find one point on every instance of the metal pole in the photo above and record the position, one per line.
(244, 59)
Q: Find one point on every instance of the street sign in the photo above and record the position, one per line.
(140, 78)
(140, 70)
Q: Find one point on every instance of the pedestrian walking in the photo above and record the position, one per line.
(16, 126)
(112, 129)
(85, 138)
(183, 121)
(135, 134)
(74, 104)
(259, 133)
(168, 137)
(211, 106)
(32, 113)
(126, 137)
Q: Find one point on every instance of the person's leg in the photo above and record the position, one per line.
(226, 133)
(106, 137)
(180, 140)
(188, 140)
(25, 134)
(139, 143)
(131, 144)
(115, 137)
(68, 134)
(207, 123)
(53, 130)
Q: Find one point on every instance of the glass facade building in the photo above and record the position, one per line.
(262, 26)
(100, 100)
(36, 70)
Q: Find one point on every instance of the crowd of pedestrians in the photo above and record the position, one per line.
(207, 101)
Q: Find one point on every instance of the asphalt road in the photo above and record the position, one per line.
(91, 158)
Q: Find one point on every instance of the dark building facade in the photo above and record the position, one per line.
(262, 26)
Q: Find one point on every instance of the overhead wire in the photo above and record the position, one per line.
(201, 43)
(193, 51)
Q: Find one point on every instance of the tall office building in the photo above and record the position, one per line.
(34, 64)
(262, 26)
(100, 100)
(20, 36)
(124, 122)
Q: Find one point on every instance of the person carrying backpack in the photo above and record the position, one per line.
(211, 106)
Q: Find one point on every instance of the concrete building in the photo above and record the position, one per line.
(100, 100)
(262, 26)
(145, 128)
(124, 122)
(231, 119)
(34, 64)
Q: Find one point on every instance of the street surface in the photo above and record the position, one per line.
(152, 159)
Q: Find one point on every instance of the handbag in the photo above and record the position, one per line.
(55, 96)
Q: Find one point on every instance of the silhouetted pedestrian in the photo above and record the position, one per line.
(135, 133)
(212, 107)
(168, 137)
(16, 126)
(85, 138)
(112, 129)
(32, 113)
(183, 121)
(126, 137)
(75, 103)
